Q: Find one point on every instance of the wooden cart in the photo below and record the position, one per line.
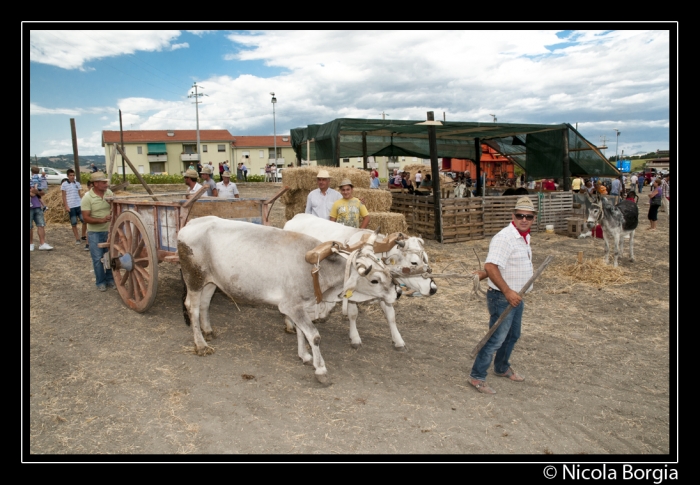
(143, 232)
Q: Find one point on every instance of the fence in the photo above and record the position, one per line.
(471, 218)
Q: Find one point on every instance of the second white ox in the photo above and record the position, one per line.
(271, 270)
(406, 263)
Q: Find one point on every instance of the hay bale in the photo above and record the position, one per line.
(55, 212)
(376, 200)
(304, 178)
(294, 202)
(388, 222)
(413, 169)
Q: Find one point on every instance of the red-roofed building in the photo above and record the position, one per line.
(172, 151)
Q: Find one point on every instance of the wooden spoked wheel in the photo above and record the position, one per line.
(134, 261)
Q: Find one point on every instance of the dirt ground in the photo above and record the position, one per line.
(103, 379)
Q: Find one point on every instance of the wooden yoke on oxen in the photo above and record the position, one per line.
(321, 252)
(389, 242)
(315, 256)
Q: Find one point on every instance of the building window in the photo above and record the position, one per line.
(220, 148)
(346, 160)
(139, 150)
(272, 153)
(261, 153)
(204, 148)
(157, 167)
(189, 148)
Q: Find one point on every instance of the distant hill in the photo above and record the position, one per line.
(66, 161)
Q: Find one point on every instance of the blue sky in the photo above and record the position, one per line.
(601, 80)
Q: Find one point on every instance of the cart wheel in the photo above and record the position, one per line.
(134, 261)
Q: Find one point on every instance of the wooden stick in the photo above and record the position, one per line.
(527, 285)
(136, 172)
(112, 157)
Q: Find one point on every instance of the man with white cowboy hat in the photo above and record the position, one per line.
(208, 182)
(320, 200)
(226, 188)
(191, 177)
(97, 213)
(508, 266)
(349, 211)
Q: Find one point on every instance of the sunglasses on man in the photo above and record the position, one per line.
(529, 217)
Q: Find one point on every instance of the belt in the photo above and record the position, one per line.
(493, 289)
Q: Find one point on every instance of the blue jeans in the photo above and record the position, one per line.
(36, 216)
(102, 277)
(75, 213)
(503, 339)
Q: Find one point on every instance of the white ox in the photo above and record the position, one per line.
(271, 269)
(406, 264)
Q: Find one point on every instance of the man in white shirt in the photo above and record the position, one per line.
(227, 189)
(508, 266)
(320, 200)
(191, 177)
(419, 177)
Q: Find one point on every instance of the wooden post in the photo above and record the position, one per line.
(336, 161)
(364, 150)
(435, 170)
(580, 257)
(112, 157)
(138, 175)
(76, 160)
(121, 136)
(565, 164)
(477, 150)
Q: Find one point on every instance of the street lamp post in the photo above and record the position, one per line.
(196, 104)
(617, 140)
(274, 127)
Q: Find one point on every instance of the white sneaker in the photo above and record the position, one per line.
(45, 247)
(31, 247)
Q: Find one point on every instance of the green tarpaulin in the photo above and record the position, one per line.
(539, 149)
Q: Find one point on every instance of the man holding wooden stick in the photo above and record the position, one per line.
(509, 268)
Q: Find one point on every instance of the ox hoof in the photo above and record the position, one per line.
(290, 330)
(307, 359)
(204, 351)
(356, 345)
(401, 349)
(208, 335)
(323, 379)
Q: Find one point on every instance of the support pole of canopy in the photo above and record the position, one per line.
(566, 170)
(435, 170)
(336, 155)
(364, 150)
(477, 149)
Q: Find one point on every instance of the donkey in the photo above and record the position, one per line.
(617, 221)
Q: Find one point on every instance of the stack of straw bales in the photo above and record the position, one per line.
(302, 180)
(413, 169)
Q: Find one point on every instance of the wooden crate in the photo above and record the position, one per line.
(575, 226)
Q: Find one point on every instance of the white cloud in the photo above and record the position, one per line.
(35, 109)
(71, 49)
(175, 47)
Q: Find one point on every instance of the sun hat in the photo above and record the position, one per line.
(98, 177)
(524, 204)
(191, 173)
(226, 173)
(346, 182)
(323, 174)
(206, 169)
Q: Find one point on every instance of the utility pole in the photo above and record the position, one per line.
(76, 160)
(274, 129)
(196, 95)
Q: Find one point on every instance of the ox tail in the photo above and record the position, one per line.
(185, 313)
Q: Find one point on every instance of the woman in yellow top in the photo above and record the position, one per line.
(349, 210)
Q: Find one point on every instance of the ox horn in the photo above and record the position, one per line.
(362, 270)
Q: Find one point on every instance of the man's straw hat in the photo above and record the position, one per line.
(346, 182)
(98, 177)
(525, 204)
(191, 173)
(323, 174)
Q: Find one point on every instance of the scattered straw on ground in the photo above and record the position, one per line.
(593, 272)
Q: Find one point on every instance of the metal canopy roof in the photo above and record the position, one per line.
(538, 149)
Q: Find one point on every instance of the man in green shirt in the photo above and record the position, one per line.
(97, 213)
